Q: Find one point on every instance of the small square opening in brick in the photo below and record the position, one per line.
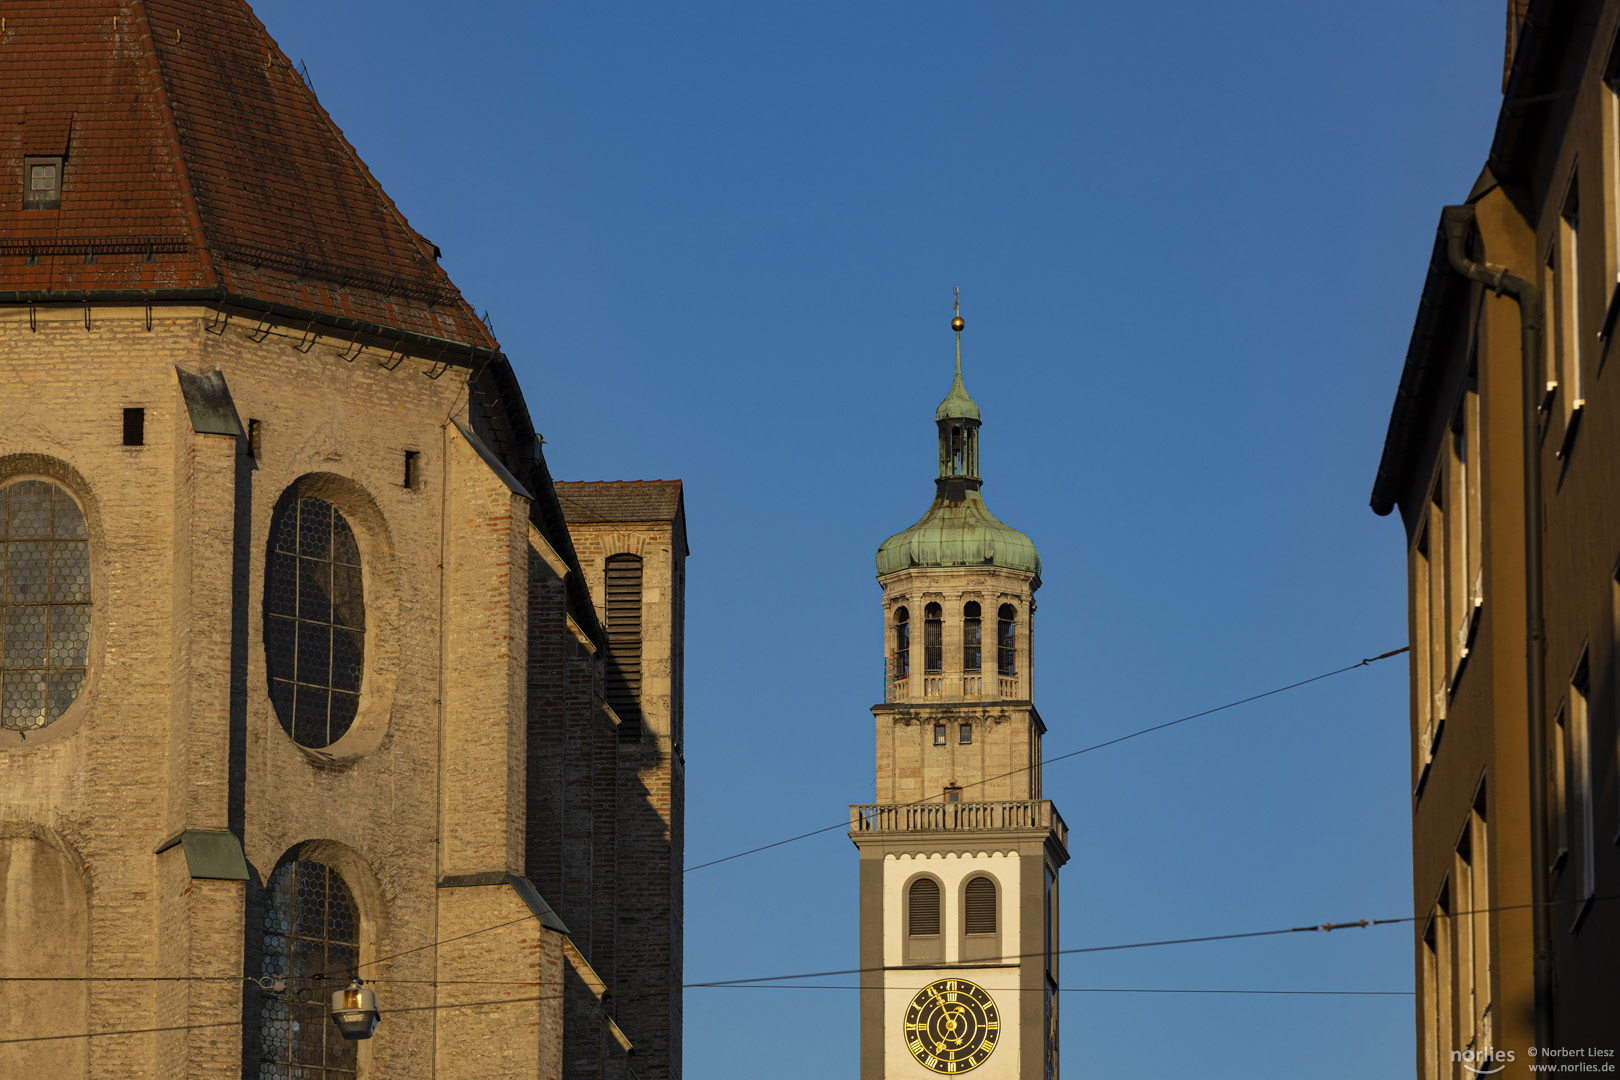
(134, 427)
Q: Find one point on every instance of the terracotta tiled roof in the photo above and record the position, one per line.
(197, 158)
(608, 501)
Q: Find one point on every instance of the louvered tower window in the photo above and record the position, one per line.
(1006, 645)
(972, 637)
(979, 906)
(922, 920)
(624, 640)
(933, 640)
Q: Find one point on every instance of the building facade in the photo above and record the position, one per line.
(959, 855)
(1501, 458)
(307, 668)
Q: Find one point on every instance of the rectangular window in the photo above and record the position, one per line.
(42, 183)
(134, 427)
(939, 734)
(413, 469)
(1580, 785)
(1557, 791)
(1462, 947)
(1549, 338)
(933, 640)
(1480, 889)
(1051, 923)
(1444, 985)
(253, 440)
(1569, 299)
(1422, 656)
(966, 734)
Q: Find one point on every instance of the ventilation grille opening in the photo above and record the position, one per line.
(924, 905)
(980, 906)
(624, 640)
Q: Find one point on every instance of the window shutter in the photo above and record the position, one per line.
(624, 638)
(924, 904)
(980, 903)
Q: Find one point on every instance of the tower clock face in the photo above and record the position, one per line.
(952, 1026)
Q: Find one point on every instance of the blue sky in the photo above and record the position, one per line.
(719, 241)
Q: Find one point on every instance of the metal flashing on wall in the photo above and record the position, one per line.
(209, 403)
(210, 854)
(522, 885)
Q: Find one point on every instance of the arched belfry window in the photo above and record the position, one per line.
(314, 621)
(44, 603)
(933, 639)
(311, 944)
(902, 643)
(923, 941)
(1006, 640)
(979, 924)
(623, 574)
(972, 637)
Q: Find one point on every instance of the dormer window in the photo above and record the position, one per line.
(42, 183)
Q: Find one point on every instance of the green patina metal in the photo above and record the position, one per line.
(961, 533)
(958, 529)
(210, 853)
(957, 404)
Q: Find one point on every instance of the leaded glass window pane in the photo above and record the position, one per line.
(44, 603)
(314, 621)
(312, 943)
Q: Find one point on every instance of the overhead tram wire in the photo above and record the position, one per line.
(1095, 990)
(1074, 753)
(778, 981)
(843, 824)
(766, 847)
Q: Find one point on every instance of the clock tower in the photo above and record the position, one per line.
(959, 855)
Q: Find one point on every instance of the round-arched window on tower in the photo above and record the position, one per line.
(902, 643)
(972, 637)
(311, 944)
(45, 603)
(1006, 640)
(314, 621)
(933, 640)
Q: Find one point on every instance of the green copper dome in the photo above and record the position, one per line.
(961, 533)
(958, 529)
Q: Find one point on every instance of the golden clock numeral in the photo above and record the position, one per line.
(993, 1025)
(988, 1045)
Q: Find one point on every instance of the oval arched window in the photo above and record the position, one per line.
(311, 943)
(45, 603)
(314, 621)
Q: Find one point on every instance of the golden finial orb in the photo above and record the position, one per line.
(957, 324)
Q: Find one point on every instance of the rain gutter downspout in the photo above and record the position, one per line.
(1459, 221)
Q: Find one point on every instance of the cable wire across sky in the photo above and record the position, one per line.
(844, 824)
(762, 982)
